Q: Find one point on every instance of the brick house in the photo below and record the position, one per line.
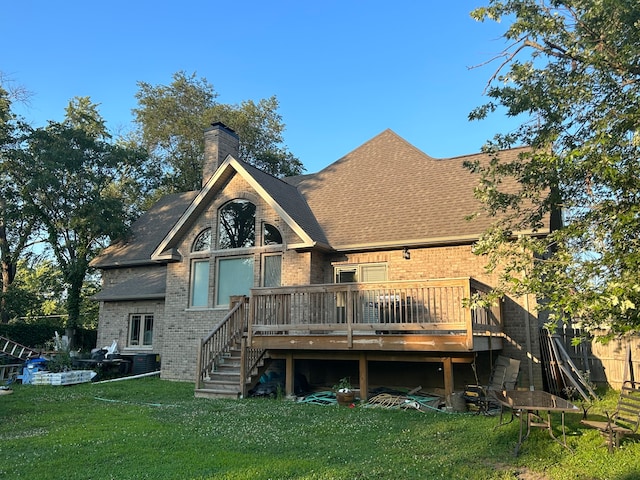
(358, 270)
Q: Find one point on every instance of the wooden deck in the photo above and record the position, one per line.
(427, 316)
(415, 321)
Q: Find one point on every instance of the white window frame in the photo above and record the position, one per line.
(195, 287)
(141, 331)
(358, 270)
(263, 274)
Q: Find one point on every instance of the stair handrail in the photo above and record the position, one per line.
(220, 340)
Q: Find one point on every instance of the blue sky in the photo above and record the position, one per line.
(342, 70)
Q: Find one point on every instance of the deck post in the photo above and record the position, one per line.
(289, 374)
(349, 317)
(447, 367)
(199, 375)
(243, 367)
(364, 376)
(468, 314)
(250, 319)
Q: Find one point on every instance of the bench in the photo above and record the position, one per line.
(624, 421)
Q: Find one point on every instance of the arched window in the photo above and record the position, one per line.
(237, 225)
(271, 235)
(202, 243)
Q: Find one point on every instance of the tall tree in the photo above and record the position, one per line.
(66, 174)
(172, 118)
(571, 70)
(17, 223)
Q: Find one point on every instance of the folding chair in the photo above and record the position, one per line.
(504, 376)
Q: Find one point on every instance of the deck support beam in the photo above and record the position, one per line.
(363, 368)
(447, 368)
(289, 375)
(363, 358)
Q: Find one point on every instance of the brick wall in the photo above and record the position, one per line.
(114, 323)
(521, 323)
(179, 330)
(184, 327)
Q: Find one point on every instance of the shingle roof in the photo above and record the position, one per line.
(291, 201)
(146, 233)
(387, 192)
(147, 284)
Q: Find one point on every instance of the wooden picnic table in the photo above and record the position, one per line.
(534, 408)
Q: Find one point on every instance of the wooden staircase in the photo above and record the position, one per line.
(226, 368)
(225, 381)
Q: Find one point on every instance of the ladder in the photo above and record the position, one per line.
(16, 350)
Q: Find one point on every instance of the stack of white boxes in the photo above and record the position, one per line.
(63, 378)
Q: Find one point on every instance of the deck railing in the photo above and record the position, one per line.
(433, 307)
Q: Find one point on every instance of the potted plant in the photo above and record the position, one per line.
(344, 391)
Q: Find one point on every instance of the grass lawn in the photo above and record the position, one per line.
(155, 429)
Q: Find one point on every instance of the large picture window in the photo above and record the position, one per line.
(235, 277)
(140, 330)
(200, 283)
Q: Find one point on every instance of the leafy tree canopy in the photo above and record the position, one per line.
(172, 118)
(572, 70)
(17, 223)
(70, 177)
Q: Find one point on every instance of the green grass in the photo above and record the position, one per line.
(154, 429)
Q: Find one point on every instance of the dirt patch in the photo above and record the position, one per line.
(526, 474)
(523, 473)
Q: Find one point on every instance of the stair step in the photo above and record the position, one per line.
(234, 362)
(221, 384)
(227, 370)
(215, 393)
(225, 376)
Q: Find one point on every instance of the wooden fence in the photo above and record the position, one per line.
(606, 363)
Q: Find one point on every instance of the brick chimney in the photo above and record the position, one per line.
(219, 141)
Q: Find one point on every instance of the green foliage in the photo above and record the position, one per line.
(83, 114)
(141, 423)
(67, 176)
(39, 333)
(343, 384)
(172, 118)
(59, 354)
(260, 129)
(571, 72)
(34, 335)
(38, 290)
(17, 222)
